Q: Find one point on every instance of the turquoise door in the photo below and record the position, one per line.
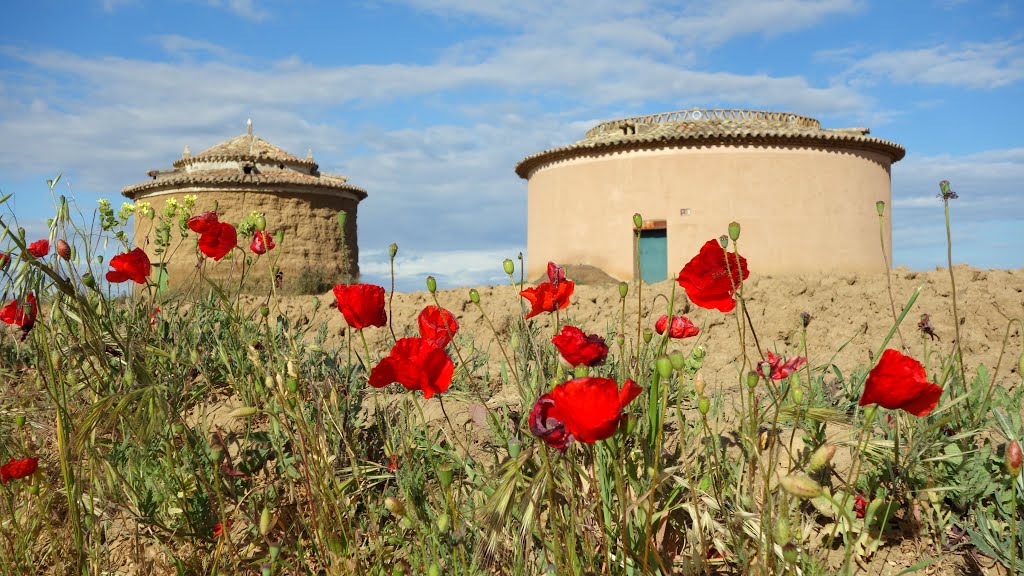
(653, 255)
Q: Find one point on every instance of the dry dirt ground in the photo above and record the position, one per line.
(850, 309)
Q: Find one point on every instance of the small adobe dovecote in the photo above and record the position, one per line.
(246, 174)
(805, 195)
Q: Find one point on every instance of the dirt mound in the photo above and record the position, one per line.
(583, 274)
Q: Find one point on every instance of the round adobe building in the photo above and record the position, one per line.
(247, 174)
(805, 196)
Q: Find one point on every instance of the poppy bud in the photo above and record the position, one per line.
(316, 303)
(445, 475)
(279, 237)
(392, 250)
(880, 208)
(800, 485)
(1014, 459)
(821, 457)
(678, 360)
(703, 405)
(734, 231)
(798, 395)
(395, 506)
(88, 280)
(648, 335)
(265, 521)
(265, 570)
(178, 428)
(474, 296)
(63, 249)
(514, 447)
(242, 412)
(723, 241)
(443, 523)
(698, 384)
(216, 454)
(431, 284)
(789, 552)
(509, 266)
(19, 420)
(623, 290)
(752, 376)
(264, 311)
(293, 385)
(664, 366)
(638, 221)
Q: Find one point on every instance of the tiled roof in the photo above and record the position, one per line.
(228, 178)
(244, 147)
(710, 127)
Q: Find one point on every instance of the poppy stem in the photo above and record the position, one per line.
(979, 414)
(956, 313)
(888, 275)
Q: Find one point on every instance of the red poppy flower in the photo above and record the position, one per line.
(900, 382)
(393, 463)
(706, 280)
(5, 259)
(417, 364)
(17, 469)
(39, 248)
(201, 222)
(579, 348)
(547, 297)
(132, 266)
(218, 530)
(780, 369)
(588, 408)
(547, 428)
(153, 316)
(555, 274)
(437, 325)
(362, 305)
(860, 506)
(21, 314)
(681, 327)
(261, 242)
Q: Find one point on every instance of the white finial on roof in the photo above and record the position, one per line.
(185, 153)
(309, 154)
(248, 124)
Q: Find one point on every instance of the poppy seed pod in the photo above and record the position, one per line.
(88, 280)
(638, 221)
(431, 284)
(648, 335)
(734, 231)
(443, 523)
(880, 208)
(509, 266)
(19, 420)
(752, 379)
(664, 366)
(623, 290)
(678, 360)
(789, 552)
(723, 241)
(261, 223)
(434, 570)
(392, 250)
(1014, 459)
(703, 405)
(445, 475)
(620, 339)
(800, 485)
(474, 296)
(264, 311)
(581, 371)
(798, 395)
(514, 447)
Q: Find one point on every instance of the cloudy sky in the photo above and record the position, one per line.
(428, 104)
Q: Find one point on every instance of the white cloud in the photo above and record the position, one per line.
(451, 268)
(245, 8)
(976, 65)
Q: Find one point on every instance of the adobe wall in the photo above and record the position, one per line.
(802, 210)
(311, 236)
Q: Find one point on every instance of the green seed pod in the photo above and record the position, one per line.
(279, 237)
(88, 280)
(798, 395)
(19, 420)
(434, 570)
(620, 339)
(698, 353)
(265, 570)
(703, 405)
(216, 454)
(178, 428)
(445, 475)
(648, 335)
(581, 371)
(474, 296)
(431, 284)
(514, 447)
(275, 550)
(264, 311)
(392, 250)
(443, 523)
(293, 385)
(880, 207)
(789, 552)
(638, 221)
(800, 485)
(261, 223)
(678, 360)
(723, 241)
(664, 366)
(623, 290)
(752, 378)
(734, 231)
(394, 506)
(509, 266)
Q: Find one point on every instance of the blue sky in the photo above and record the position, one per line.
(429, 104)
